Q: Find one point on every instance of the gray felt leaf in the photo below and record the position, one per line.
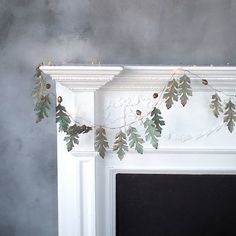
(216, 105)
(230, 116)
(101, 141)
(135, 139)
(120, 145)
(171, 93)
(185, 89)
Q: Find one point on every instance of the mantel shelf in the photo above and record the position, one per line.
(127, 77)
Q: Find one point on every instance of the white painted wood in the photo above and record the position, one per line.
(193, 142)
(82, 78)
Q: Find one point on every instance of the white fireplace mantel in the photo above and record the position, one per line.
(193, 142)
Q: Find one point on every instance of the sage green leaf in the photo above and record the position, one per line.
(216, 105)
(101, 142)
(135, 140)
(185, 89)
(152, 134)
(72, 137)
(230, 115)
(42, 107)
(120, 144)
(62, 118)
(171, 93)
(40, 95)
(39, 89)
(157, 119)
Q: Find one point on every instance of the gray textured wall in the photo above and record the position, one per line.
(200, 32)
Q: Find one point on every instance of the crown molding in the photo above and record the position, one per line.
(82, 78)
(127, 77)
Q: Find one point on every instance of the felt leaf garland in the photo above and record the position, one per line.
(152, 134)
(62, 118)
(157, 119)
(42, 107)
(135, 139)
(185, 89)
(120, 145)
(216, 105)
(171, 93)
(101, 141)
(176, 89)
(230, 115)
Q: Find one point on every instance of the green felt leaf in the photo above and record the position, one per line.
(39, 89)
(135, 140)
(120, 145)
(171, 93)
(101, 142)
(230, 115)
(185, 89)
(40, 95)
(157, 119)
(152, 134)
(42, 107)
(216, 105)
(72, 137)
(62, 118)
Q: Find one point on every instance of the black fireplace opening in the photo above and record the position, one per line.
(175, 205)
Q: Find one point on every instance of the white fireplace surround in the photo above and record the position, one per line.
(194, 141)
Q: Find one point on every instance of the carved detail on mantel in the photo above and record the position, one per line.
(126, 107)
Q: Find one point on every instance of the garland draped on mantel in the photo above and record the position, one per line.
(177, 89)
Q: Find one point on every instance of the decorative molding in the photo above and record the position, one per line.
(152, 77)
(199, 151)
(82, 78)
(91, 78)
(187, 150)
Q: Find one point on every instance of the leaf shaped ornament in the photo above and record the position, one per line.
(135, 140)
(216, 105)
(62, 118)
(101, 142)
(171, 93)
(40, 95)
(185, 89)
(40, 88)
(42, 107)
(72, 137)
(157, 119)
(230, 116)
(152, 134)
(120, 145)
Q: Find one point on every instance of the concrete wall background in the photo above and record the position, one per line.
(77, 31)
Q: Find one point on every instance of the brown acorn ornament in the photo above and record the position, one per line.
(138, 113)
(155, 95)
(59, 99)
(48, 86)
(204, 81)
